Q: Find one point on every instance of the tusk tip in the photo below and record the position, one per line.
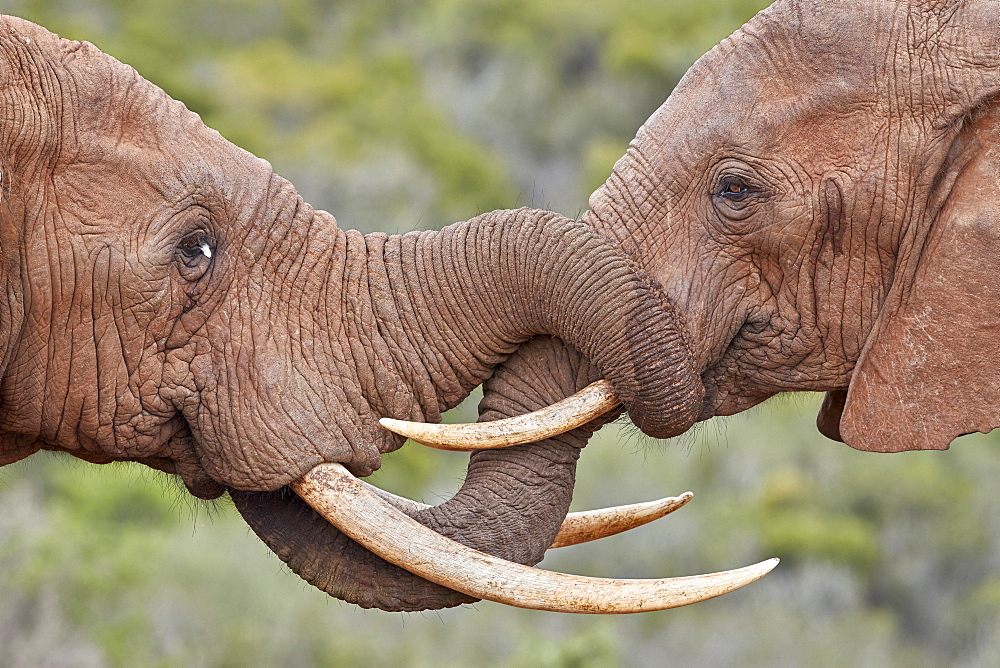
(434, 435)
(768, 565)
(582, 527)
(401, 427)
(589, 403)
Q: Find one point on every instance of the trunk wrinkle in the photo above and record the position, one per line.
(480, 289)
(511, 505)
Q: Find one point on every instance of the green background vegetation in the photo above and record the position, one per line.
(400, 114)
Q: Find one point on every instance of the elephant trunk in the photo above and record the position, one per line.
(462, 299)
(511, 504)
(451, 305)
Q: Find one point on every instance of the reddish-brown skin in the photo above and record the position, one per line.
(817, 196)
(512, 502)
(166, 298)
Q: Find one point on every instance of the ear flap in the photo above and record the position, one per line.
(12, 446)
(930, 370)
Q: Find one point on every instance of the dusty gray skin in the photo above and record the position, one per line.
(168, 299)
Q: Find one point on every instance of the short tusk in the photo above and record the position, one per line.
(594, 524)
(345, 502)
(591, 402)
(578, 527)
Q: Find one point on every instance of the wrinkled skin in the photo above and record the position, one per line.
(817, 196)
(815, 199)
(168, 299)
(511, 504)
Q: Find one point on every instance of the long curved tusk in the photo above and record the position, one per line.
(591, 402)
(341, 498)
(580, 527)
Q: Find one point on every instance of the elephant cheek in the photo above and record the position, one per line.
(719, 403)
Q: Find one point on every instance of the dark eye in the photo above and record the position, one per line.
(194, 255)
(734, 189)
(735, 194)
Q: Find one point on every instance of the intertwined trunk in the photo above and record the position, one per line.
(450, 305)
(447, 308)
(511, 504)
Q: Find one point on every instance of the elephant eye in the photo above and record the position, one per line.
(734, 190)
(194, 255)
(734, 195)
(192, 249)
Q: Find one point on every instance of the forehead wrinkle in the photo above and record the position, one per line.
(749, 95)
(118, 115)
(742, 98)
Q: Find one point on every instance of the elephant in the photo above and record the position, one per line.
(811, 196)
(815, 198)
(806, 211)
(168, 300)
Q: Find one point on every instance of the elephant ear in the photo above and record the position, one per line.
(930, 370)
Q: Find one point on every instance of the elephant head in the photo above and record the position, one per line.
(167, 299)
(815, 197)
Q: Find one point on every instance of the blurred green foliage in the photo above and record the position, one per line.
(396, 115)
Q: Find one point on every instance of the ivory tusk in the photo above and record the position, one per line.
(579, 527)
(594, 524)
(399, 502)
(345, 502)
(591, 402)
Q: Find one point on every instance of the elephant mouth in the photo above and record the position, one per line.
(720, 402)
(732, 382)
(378, 521)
